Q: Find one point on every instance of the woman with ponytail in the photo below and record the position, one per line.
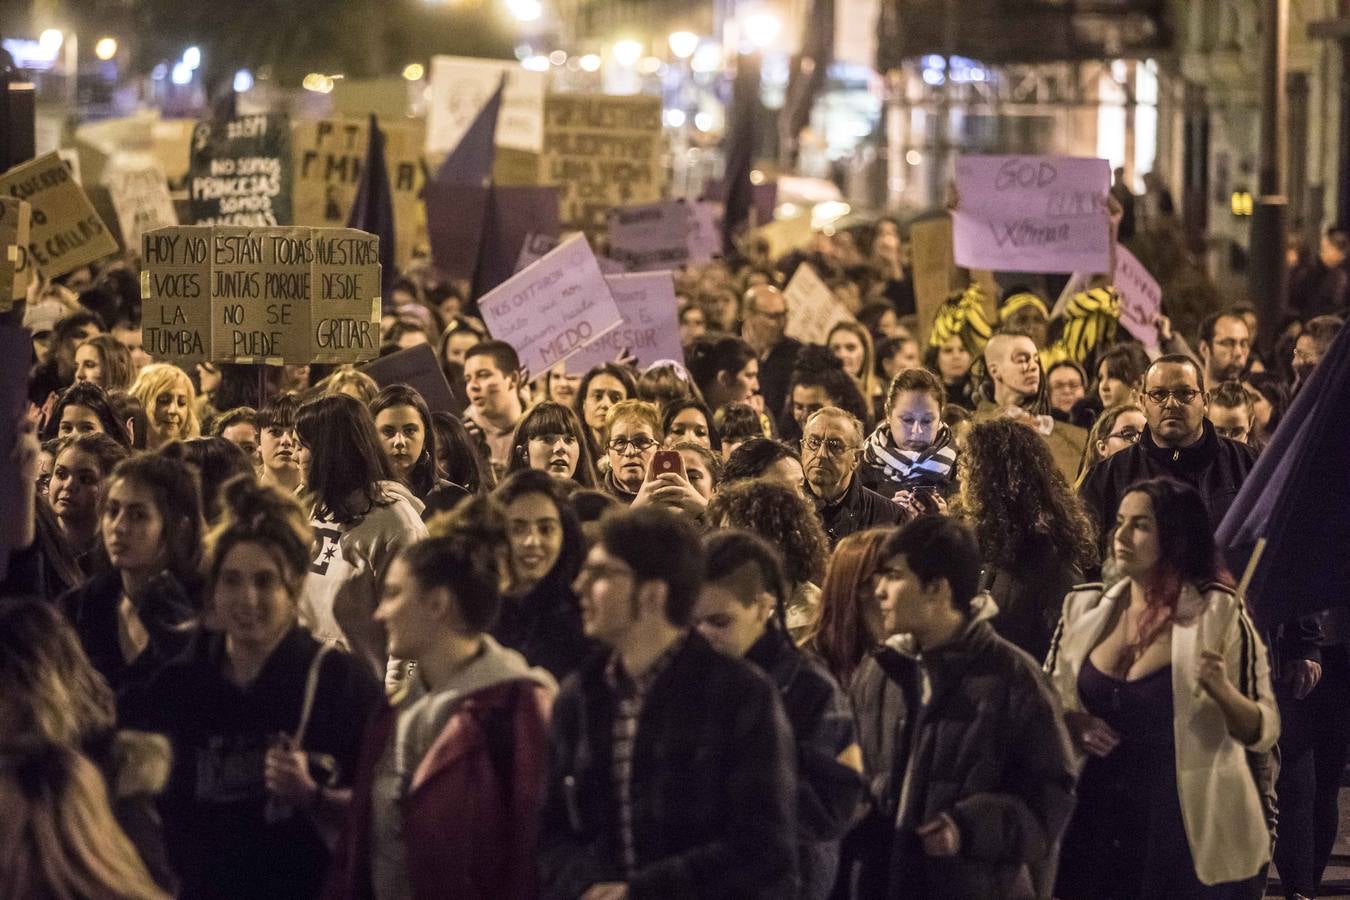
(451, 779)
(264, 721)
(741, 613)
(1166, 690)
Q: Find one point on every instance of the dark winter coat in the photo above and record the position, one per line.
(988, 747)
(714, 788)
(859, 509)
(544, 626)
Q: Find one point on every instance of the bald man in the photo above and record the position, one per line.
(1014, 373)
(764, 313)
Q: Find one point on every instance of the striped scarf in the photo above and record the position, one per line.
(932, 465)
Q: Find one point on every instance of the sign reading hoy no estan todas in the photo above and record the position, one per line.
(261, 295)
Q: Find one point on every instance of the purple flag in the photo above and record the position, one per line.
(457, 197)
(373, 208)
(1296, 499)
(513, 213)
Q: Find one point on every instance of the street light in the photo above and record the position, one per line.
(50, 41)
(192, 57)
(683, 44)
(762, 28)
(589, 63)
(525, 10)
(627, 52)
(413, 71)
(106, 48)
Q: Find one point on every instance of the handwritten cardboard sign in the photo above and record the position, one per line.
(1032, 214)
(140, 196)
(461, 85)
(651, 323)
(330, 155)
(930, 245)
(602, 151)
(812, 309)
(785, 235)
(650, 237)
(261, 295)
(15, 218)
(1140, 297)
(240, 172)
(553, 307)
(66, 232)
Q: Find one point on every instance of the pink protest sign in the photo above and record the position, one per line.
(1032, 214)
(651, 323)
(552, 308)
(650, 237)
(1140, 297)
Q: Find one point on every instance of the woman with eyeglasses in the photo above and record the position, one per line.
(1115, 429)
(631, 438)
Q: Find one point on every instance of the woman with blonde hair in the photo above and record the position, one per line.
(1117, 428)
(351, 381)
(851, 344)
(170, 403)
(58, 837)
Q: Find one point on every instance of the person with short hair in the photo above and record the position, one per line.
(964, 747)
(765, 311)
(492, 381)
(1224, 344)
(632, 436)
(1230, 412)
(737, 423)
(447, 793)
(767, 460)
(1313, 344)
(671, 766)
(278, 446)
(550, 438)
(832, 449)
(741, 613)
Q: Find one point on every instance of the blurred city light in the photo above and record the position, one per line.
(627, 52)
(106, 48)
(243, 81)
(182, 73)
(762, 28)
(525, 10)
(50, 40)
(192, 57)
(414, 71)
(675, 118)
(535, 63)
(590, 63)
(707, 58)
(683, 44)
(558, 58)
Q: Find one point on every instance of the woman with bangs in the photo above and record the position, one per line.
(602, 388)
(550, 438)
(403, 422)
(170, 402)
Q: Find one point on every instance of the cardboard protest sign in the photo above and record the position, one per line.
(329, 155)
(261, 295)
(650, 237)
(240, 172)
(651, 323)
(140, 196)
(65, 231)
(812, 308)
(1140, 298)
(15, 218)
(418, 368)
(705, 231)
(934, 265)
(783, 235)
(176, 293)
(601, 152)
(1032, 214)
(461, 85)
(552, 308)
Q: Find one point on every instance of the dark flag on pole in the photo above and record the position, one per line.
(457, 197)
(513, 214)
(806, 76)
(740, 151)
(1293, 508)
(373, 209)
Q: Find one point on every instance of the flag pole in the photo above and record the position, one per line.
(1250, 571)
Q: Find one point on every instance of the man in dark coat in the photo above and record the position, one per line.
(764, 312)
(969, 764)
(1178, 442)
(671, 770)
(832, 448)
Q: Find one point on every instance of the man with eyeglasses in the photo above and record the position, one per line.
(1225, 345)
(671, 766)
(765, 317)
(1178, 442)
(832, 445)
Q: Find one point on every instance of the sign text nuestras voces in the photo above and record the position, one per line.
(261, 295)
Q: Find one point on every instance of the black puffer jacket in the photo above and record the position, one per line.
(1213, 465)
(988, 747)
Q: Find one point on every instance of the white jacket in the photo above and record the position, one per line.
(1220, 805)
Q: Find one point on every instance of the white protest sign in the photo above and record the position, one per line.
(140, 196)
(460, 86)
(1032, 214)
(812, 309)
(651, 323)
(1140, 298)
(650, 237)
(553, 307)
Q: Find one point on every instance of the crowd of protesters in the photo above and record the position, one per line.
(891, 615)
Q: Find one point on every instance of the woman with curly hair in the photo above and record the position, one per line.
(849, 625)
(1035, 538)
(789, 522)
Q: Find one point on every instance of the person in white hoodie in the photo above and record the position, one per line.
(362, 517)
(1166, 690)
(448, 792)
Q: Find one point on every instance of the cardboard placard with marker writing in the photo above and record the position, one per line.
(261, 295)
(15, 217)
(65, 231)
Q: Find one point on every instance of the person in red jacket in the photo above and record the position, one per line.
(448, 791)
